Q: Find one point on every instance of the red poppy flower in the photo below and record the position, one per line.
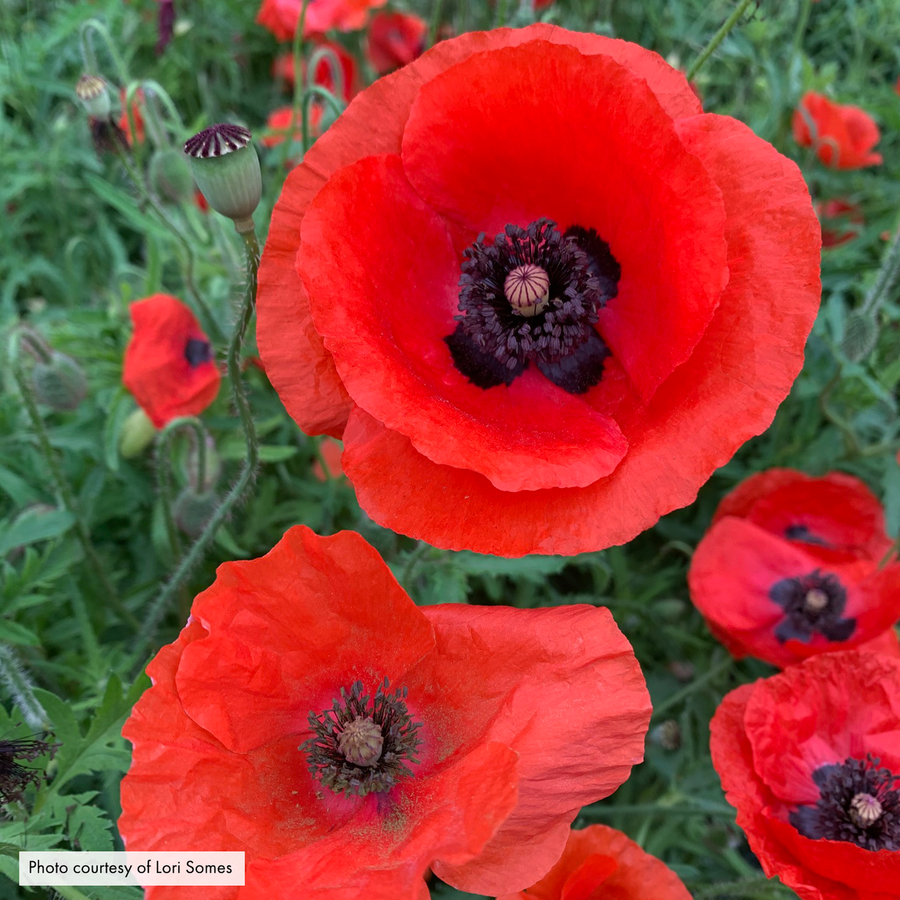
(601, 862)
(283, 67)
(843, 136)
(563, 412)
(790, 568)
(346, 740)
(838, 218)
(282, 17)
(124, 122)
(811, 760)
(394, 39)
(170, 366)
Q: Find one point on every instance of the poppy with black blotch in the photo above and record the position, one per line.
(170, 365)
(811, 760)
(791, 567)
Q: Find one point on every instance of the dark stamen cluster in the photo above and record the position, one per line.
(858, 802)
(812, 603)
(197, 352)
(14, 777)
(399, 733)
(496, 328)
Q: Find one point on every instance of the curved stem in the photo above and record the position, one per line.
(248, 471)
(309, 95)
(334, 65)
(87, 49)
(210, 323)
(802, 22)
(61, 484)
(435, 25)
(297, 55)
(717, 39)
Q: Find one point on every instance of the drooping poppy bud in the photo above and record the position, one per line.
(91, 91)
(60, 382)
(226, 168)
(193, 510)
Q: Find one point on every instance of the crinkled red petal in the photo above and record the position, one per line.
(628, 176)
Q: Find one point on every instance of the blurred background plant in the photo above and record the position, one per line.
(93, 521)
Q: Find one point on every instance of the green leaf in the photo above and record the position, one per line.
(14, 633)
(18, 489)
(35, 526)
(89, 828)
(65, 725)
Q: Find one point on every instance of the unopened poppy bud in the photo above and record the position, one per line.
(171, 176)
(212, 466)
(91, 91)
(60, 382)
(226, 168)
(667, 734)
(860, 335)
(137, 434)
(192, 511)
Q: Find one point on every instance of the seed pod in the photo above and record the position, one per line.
(226, 168)
(60, 383)
(91, 91)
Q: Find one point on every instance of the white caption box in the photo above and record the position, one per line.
(48, 868)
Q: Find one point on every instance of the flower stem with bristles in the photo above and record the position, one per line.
(209, 321)
(63, 489)
(13, 675)
(296, 111)
(248, 471)
(90, 58)
(717, 39)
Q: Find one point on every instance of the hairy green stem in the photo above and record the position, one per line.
(248, 471)
(802, 22)
(210, 322)
(887, 276)
(87, 49)
(717, 38)
(63, 489)
(13, 675)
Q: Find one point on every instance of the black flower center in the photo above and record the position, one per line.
(858, 802)
(532, 296)
(14, 777)
(812, 603)
(363, 745)
(197, 352)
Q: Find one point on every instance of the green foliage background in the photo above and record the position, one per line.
(80, 243)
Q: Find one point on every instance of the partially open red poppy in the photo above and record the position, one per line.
(811, 760)
(600, 862)
(791, 568)
(282, 17)
(640, 314)
(346, 740)
(843, 136)
(170, 366)
(394, 39)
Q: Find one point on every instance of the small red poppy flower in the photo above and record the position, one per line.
(137, 104)
(525, 350)
(843, 136)
(283, 67)
(347, 741)
(330, 451)
(394, 39)
(838, 218)
(282, 17)
(790, 568)
(601, 862)
(170, 366)
(811, 760)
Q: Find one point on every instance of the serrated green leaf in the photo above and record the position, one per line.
(62, 719)
(89, 828)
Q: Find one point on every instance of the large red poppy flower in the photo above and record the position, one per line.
(843, 136)
(394, 39)
(811, 760)
(312, 716)
(170, 366)
(641, 313)
(601, 862)
(790, 568)
(282, 17)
